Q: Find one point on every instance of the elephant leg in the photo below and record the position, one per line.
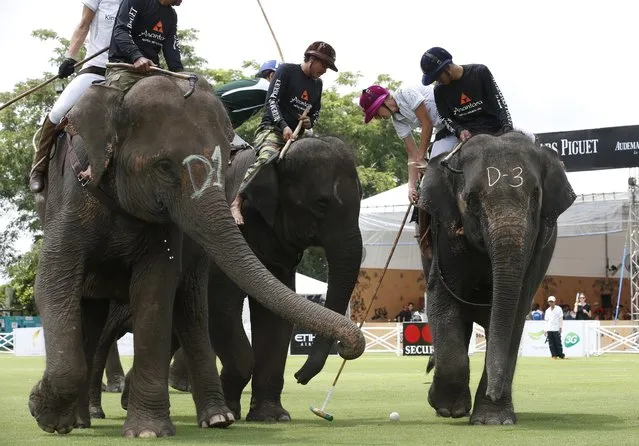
(449, 393)
(153, 287)
(502, 411)
(179, 372)
(192, 327)
(94, 315)
(119, 320)
(229, 338)
(114, 371)
(58, 288)
(271, 337)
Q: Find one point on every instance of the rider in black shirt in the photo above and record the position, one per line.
(142, 29)
(294, 87)
(467, 96)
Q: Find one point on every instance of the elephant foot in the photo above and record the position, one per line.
(52, 413)
(496, 413)
(449, 400)
(116, 385)
(216, 416)
(97, 412)
(82, 421)
(179, 381)
(268, 411)
(135, 426)
(236, 408)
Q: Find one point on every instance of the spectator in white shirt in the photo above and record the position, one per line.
(554, 317)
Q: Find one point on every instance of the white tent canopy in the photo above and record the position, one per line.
(592, 223)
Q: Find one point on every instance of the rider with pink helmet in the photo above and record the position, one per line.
(409, 108)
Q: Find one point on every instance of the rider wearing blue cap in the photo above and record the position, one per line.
(244, 98)
(467, 96)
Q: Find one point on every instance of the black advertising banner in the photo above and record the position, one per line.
(302, 341)
(595, 149)
(418, 340)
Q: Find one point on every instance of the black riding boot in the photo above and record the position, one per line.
(41, 157)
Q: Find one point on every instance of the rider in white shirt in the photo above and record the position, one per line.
(98, 17)
(409, 108)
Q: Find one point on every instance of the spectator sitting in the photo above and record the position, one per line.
(406, 314)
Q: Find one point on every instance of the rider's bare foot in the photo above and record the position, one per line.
(236, 210)
(460, 231)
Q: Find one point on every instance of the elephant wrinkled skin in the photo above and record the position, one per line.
(167, 173)
(507, 197)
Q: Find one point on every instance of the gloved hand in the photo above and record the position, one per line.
(66, 67)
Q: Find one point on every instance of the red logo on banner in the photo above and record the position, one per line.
(418, 339)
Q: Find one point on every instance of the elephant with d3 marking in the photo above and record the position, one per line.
(494, 207)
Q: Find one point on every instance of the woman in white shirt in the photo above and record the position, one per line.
(409, 108)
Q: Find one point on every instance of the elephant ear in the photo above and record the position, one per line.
(558, 194)
(96, 117)
(436, 195)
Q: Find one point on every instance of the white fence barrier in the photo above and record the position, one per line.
(579, 339)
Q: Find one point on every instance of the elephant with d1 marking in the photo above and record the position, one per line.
(167, 157)
(494, 207)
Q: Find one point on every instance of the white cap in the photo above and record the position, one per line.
(551, 298)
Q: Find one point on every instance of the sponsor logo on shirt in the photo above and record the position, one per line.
(304, 95)
(109, 17)
(132, 13)
(468, 108)
(464, 99)
(152, 38)
(158, 27)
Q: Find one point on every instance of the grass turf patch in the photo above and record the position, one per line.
(577, 401)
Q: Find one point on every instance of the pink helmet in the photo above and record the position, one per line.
(371, 100)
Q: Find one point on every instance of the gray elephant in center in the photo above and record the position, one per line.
(494, 207)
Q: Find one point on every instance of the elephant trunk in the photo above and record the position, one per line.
(343, 256)
(207, 220)
(508, 268)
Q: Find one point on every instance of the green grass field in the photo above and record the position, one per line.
(589, 401)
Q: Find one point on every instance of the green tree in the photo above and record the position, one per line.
(23, 273)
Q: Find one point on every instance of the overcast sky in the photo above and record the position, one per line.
(561, 65)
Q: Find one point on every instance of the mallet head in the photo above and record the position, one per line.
(320, 413)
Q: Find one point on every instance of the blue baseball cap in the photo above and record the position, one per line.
(269, 65)
(433, 62)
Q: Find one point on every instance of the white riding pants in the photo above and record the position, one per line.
(71, 94)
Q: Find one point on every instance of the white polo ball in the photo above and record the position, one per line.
(394, 416)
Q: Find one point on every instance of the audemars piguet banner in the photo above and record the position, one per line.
(594, 149)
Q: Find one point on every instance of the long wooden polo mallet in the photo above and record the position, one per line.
(321, 412)
(48, 81)
(191, 77)
(298, 128)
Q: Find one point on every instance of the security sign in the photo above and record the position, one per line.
(418, 340)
